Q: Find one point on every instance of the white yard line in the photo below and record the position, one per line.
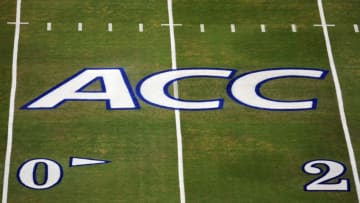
(177, 112)
(339, 99)
(12, 104)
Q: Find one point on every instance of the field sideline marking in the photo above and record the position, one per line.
(340, 99)
(12, 103)
(177, 112)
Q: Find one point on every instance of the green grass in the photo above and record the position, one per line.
(236, 154)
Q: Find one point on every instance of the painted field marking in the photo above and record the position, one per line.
(322, 25)
(12, 103)
(48, 27)
(79, 161)
(232, 28)
(263, 27)
(202, 28)
(356, 28)
(141, 27)
(80, 27)
(293, 28)
(339, 99)
(21, 23)
(171, 25)
(177, 112)
(110, 27)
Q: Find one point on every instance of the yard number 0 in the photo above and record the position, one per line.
(27, 174)
(330, 179)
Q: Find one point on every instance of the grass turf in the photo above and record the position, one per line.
(236, 154)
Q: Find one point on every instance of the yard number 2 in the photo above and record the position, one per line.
(330, 179)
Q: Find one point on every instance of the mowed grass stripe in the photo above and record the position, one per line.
(141, 144)
(243, 154)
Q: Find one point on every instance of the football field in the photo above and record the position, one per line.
(180, 101)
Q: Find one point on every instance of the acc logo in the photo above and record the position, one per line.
(118, 94)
